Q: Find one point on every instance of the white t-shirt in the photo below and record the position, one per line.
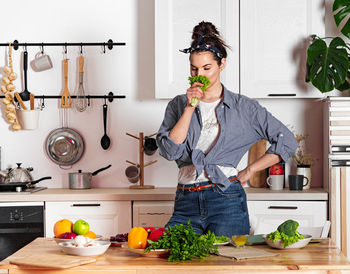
(208, 138)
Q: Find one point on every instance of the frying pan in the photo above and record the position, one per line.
(23, 185)
(64, 146)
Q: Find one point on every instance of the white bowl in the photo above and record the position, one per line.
(59, 240)
(96, 250)
(299, 244)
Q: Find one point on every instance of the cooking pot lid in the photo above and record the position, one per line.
(64, 146)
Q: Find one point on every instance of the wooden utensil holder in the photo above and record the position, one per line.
(141, 164)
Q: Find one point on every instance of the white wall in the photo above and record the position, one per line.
(127, 70)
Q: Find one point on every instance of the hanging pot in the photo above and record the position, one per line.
(64, 146)
(82, 180)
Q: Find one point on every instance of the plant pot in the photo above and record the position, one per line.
(305, 170)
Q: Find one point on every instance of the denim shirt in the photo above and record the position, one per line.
(243, 122)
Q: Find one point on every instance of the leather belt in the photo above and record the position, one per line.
(202, 187)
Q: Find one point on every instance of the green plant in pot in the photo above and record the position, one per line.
(328, 65)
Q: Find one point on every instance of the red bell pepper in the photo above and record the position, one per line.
(155, 234)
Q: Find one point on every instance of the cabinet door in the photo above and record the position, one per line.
(174, 22)
(266, 216)
(105, 218)
(273, 45)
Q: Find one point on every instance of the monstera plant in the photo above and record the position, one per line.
(328, 66)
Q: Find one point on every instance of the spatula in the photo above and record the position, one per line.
(32, 101)
(66, 100)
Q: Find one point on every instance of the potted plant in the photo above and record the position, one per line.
(303, 160)
(328, 66)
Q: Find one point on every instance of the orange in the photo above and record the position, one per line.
(61, 227)
(91, 235)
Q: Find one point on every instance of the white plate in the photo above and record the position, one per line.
(96, 250)
(152, 253)
(224, 243)
(59, 240)
(299, 244)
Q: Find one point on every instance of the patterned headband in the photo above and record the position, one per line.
(202, 47)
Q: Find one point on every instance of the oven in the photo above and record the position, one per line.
(20, 223)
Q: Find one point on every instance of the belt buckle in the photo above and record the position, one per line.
(192, 189)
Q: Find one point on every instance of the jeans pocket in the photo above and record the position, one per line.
(234, 190)
(179, 195)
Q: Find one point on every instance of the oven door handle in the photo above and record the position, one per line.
(20, 230)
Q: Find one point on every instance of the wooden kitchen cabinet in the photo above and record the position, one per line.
(268, 44)
(266, 216)
(106, 218)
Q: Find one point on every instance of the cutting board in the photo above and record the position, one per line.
(246, 252)
(258, 179)
(52, 260)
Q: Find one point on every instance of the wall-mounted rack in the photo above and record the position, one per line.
(109, 97)
(109, 44)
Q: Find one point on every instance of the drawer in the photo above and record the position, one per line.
(266, 216)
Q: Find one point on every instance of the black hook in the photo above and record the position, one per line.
(88, 100)
(43, 102)
(65, 48)
(25, 46)
(105, 99)
(42, 48)
(104, 47)
(81, 48)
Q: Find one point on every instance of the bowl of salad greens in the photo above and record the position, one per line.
(221, 240)
(287, 237)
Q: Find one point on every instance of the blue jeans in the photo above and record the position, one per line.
(224, 213)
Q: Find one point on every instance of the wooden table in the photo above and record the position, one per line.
(314, 258)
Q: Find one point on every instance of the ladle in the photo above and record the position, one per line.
(25, 94)
(105, 140)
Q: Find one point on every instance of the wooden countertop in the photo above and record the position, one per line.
(166, 194)
(314, 258)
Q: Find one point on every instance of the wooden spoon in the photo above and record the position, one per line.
(32, 96)
(66, 100)
(19, 99)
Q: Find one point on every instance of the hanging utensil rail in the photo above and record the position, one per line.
(109, 97)
(109, 44)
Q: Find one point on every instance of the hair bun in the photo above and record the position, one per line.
(206, 29)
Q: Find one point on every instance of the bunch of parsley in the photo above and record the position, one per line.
(184, 244)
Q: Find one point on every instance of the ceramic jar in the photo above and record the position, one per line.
(305, 170)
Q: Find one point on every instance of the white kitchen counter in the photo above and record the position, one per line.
(157, 194)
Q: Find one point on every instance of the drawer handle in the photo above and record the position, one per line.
(283, 207)
(281, 94)
(156, 213)
(86, 204)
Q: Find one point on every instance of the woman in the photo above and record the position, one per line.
(208, 140)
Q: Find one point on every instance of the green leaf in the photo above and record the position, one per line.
(343, 10)
(328, 65)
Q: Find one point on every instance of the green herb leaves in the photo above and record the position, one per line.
(198, 79)
(184, 243)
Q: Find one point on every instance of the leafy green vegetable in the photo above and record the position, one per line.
(287, 233)
(184, 243)
(221, 239)
(198, 79)
(288, 227)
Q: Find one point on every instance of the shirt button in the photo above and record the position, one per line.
(281, 135)
(222, 106)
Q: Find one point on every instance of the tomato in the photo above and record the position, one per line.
(276, 170)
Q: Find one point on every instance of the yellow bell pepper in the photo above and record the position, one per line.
(137, 237)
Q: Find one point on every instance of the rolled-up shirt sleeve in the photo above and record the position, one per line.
(167, 147)
(282, 140)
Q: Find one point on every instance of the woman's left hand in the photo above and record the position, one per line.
(244, 175)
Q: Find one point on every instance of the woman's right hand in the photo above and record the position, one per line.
(194, 91)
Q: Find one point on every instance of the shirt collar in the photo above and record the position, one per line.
(229, 99)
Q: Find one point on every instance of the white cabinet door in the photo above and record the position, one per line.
(273, 46)
(174, 22)
(152, 213)
(266, 216)
(106, 218)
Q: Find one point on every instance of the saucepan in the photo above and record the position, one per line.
(82, 180)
